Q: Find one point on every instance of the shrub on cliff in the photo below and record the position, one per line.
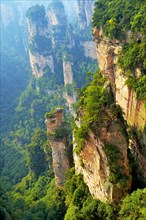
(126, 20)
(93, 99)
(134, 206)
(36, 13)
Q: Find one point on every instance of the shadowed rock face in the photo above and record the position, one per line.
(59, 141)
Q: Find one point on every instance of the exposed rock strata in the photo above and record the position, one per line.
(67, 72)
(85, 10)
(39, 62)
(90, 49)
(134, 110)
(107, 54)
(93, 163)
(59, 145)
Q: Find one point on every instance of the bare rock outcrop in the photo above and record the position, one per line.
(104, 163)
(59, 141)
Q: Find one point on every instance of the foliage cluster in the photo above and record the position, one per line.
(55, 5)
(41, 44)
(116, 170)
(133, 206)
(133, 56)
(120, 19)
(92, 101)
(37, 14)
(59, 32)
(36, 156)
(60, 132)
(80, 204)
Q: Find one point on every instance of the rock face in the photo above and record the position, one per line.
(85, 11)
(134, 110)
(90, 49)
(39, 62)
(59, 141)
(107, 54)
(68, 80)
(104, 150)
(39, 33)
(58, 21)
(67, 71)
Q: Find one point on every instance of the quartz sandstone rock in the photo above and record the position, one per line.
(38, 60)
(133, 109)
(84, 12)
(59, 145)
(93, 163)
(90, 49)
(107, 54)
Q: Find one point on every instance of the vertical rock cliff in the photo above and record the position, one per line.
(40, 42)
(133, 108)
(56, 49)
(100, 147)
(58, 21)
(85, 11)
(59, 141)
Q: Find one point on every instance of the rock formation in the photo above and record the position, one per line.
(58, 21)
(103, 160)
(90, 49)
(59, 141)
(107, 53)
(40, 42)
(85, 11)
(134, 110)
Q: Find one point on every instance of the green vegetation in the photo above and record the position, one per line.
(41, 44)
(37, 14)
(92, 101)
(5, 204)
(36, 156)
(120, 19)
(133, 206)
(79, 202)
(28, 190)
(133, 56)
(116, 170)
(57, 4)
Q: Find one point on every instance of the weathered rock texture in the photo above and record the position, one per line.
(58, 22)
(107, 54)
(90, 49)
(95, 163)
(134, 110)
(68, 80)
(67, 71)
(85, 11)
(39, 62)
(59, 145)
(40, 59)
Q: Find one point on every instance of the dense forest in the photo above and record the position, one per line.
(27, 180)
